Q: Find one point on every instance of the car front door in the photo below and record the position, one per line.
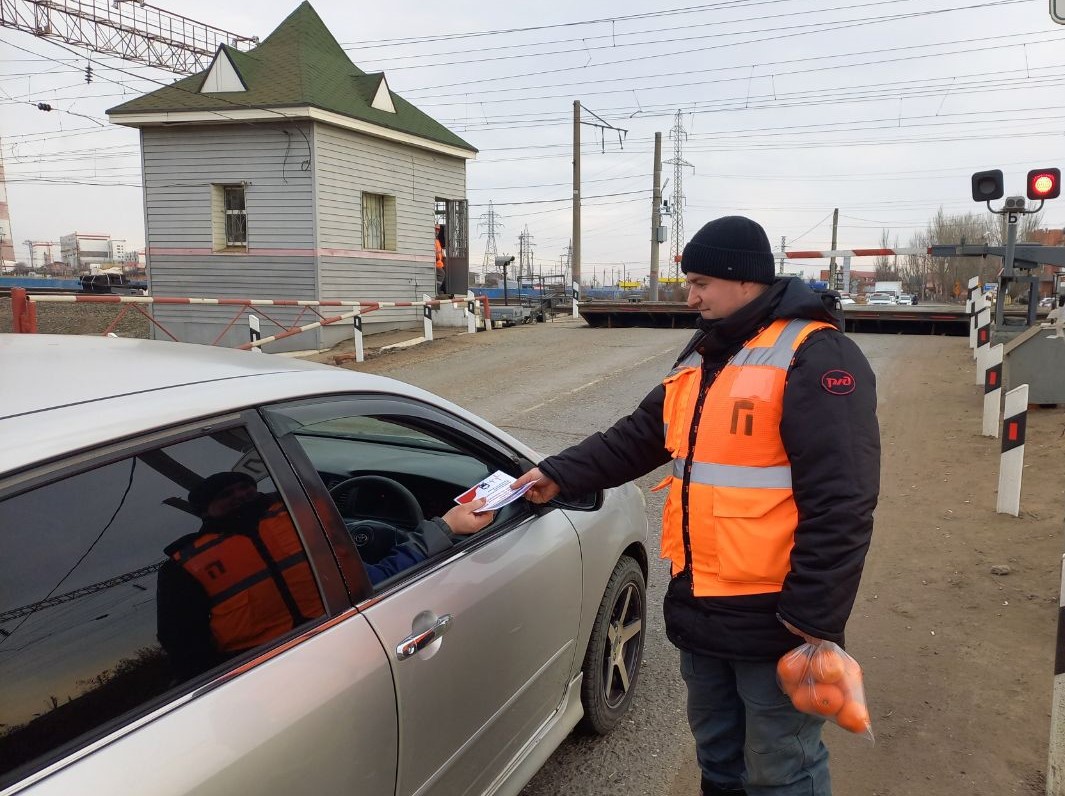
(503, 604)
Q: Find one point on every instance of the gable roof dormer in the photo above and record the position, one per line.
(382, 98)
(223, 76)
(299, 71)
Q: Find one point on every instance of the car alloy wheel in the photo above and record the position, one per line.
(615, 650)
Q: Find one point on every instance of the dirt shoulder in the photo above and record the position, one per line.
(959, 661)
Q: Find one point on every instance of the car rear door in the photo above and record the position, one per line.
(93, 701)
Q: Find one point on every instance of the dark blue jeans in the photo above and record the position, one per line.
(747, 734)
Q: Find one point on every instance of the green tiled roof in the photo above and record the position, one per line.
(297, 65)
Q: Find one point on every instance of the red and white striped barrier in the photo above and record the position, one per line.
(819, 255)
(363, 308)
(992, 390)
(25, 316)
(1011, 463)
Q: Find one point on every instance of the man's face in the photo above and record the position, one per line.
(719, 298)
(231, 498)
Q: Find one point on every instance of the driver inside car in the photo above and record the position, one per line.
(243, 578)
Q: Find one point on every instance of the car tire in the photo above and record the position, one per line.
(615, 649)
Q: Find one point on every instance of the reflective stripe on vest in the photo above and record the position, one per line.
(258, 588)
(730, 515)
(711, 474)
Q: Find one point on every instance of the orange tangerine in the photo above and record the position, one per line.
(853, 716)
(827, 698)
(791, 669)
(827, 665)
(802, 697)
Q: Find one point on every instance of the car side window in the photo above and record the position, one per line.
(123, 581)
(393, 470)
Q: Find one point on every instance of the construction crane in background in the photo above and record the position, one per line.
(47, 245)
(127, 29)
(84, 591)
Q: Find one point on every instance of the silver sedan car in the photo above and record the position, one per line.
(225, 572)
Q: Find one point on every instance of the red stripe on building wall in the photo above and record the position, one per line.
(161, 251)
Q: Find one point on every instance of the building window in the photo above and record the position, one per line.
(378, 222)
(229, 217)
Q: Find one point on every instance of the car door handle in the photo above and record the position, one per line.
(416, 642)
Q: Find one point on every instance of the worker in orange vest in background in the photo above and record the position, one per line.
(440, 273)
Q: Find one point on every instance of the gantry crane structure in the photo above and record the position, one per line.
(128, 29)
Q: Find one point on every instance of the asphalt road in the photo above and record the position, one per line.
(551, 385)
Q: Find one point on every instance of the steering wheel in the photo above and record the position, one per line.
(370, 504)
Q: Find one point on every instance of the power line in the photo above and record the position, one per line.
(614, 36)
(475, 34)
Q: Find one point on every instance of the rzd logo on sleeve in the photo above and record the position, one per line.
(838, 382)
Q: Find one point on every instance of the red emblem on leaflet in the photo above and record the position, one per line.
(838, 382)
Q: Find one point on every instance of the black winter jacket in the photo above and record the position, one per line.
(833, 444)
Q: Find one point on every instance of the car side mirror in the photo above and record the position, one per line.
(592, 501)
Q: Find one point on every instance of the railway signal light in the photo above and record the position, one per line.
(1044, 183)
(987, 185)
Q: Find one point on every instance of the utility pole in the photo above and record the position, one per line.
(602, 124)
(832, 260)
(676, 246)
(782, 255)
(491, 222)
(525, 258)
(656, 217)
(575, 243)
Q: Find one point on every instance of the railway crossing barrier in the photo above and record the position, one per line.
(24, 311)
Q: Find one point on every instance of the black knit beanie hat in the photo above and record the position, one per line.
(201, 495)
(731, 247)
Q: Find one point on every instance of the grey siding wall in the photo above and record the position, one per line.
(346, 165)
(180, 165)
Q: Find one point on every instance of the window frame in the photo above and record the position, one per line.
(319, 554)
(388, 232)
(220, 215)
(494, 451)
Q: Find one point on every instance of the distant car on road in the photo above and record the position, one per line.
(216, 580)
(881, 299)
(905, 298)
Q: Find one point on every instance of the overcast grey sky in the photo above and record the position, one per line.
(882, 109)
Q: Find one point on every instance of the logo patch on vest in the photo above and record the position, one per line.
(838, 382)
(742, 418)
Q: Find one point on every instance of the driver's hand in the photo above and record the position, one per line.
(543, 488)
(463, 519)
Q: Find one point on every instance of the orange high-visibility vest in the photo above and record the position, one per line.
(439, 255)
(730, 516)
(257, 591)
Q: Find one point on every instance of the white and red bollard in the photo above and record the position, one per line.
(992, 390)
(1011, 463)
(983, 342)
(254, 332)
(360, 350)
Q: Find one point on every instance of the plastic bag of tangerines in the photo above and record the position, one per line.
(825, 681)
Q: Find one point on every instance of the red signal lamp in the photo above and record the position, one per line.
(1044, 184)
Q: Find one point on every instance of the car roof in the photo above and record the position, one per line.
(64, 393)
